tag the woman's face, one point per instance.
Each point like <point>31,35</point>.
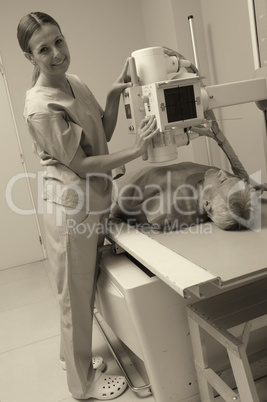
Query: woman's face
<point>49,51</point>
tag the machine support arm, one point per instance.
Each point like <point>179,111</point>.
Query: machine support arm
<point>234,93</point>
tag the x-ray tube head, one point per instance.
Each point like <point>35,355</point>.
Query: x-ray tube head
<point>175,102</point>
<point>153,65</point>
<point>179,101</point>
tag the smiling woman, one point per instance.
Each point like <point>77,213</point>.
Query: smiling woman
<point>50,53</point>
<point>70,131</point>
<point>47,43</point>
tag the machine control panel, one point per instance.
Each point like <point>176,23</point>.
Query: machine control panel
<point>134,107</point>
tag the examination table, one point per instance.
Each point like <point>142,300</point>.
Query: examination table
<point>146,281</point>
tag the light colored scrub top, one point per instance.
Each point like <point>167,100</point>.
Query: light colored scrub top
<point>59,124</point>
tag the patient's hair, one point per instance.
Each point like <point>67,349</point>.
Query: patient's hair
<point>27,26</point>
<point>239,209</point>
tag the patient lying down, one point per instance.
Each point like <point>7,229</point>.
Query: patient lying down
<point>184,194</point>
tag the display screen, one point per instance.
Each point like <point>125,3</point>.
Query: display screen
<point>180,103</point>
<point>128,111</point>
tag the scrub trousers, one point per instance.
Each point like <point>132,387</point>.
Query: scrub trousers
<point>72,240</point>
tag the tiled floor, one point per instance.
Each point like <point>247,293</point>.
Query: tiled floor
<point>29,339</point>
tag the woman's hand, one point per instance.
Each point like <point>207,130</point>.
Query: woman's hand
<point>123,81</point>
<point>113,100</point>
<point>82,164</point>
<point>147,129</point>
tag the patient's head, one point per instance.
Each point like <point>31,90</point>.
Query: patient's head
<point>229,201</point>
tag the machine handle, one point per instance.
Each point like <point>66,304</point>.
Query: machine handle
<point>133,72</point>
<point>145,156</point>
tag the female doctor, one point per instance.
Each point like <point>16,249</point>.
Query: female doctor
<point>70,132</point>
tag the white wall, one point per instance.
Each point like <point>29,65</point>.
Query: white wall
<point>19,237</point>
<point>230,58</point>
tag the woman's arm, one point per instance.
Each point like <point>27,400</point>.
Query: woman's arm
<point>83,165</point>
<point>111,114</point>
<point>113,101</point>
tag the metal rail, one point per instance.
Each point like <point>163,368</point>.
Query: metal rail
<point>129,382</point>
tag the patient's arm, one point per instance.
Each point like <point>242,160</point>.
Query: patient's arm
<point>237,167</point>
<point>216,133</point>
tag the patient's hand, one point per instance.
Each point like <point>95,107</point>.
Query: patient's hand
<point>170,52</point>
<point>260,188</point>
